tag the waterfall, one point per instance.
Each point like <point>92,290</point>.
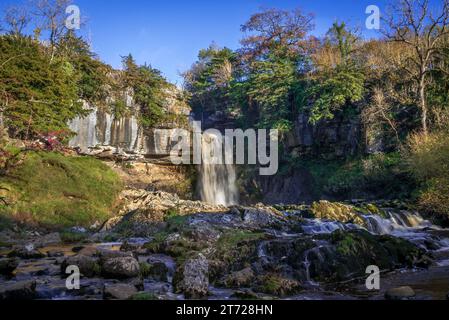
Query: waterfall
<point>217,181</point>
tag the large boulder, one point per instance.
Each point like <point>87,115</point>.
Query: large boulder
<point>47,240</point>
<point>193,278</point>
<point>349,253</point>
<point>26,252</point>
<point>158,271</point>
<point>119,291</point>
<point>110,254</point>
<point>336,211</point>
<point>340,256</point>
<point>88,266</point>
<point>7,266</point>
<point>22,290</point>
<point>121,267</point>
<point>153,206</point>
<point>262,217</point>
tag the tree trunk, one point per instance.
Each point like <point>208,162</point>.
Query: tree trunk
<point>423,104</point>
<point>2,125</point>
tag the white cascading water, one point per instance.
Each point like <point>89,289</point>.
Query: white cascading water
<point>217,182</point>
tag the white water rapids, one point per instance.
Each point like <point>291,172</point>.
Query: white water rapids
<point>407,225</point>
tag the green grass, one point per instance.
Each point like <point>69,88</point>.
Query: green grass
<point>56,191</point>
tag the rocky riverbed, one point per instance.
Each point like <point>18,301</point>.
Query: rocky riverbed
<point>282,252</point>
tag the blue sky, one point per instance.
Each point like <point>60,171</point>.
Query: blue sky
<point>168,34</point>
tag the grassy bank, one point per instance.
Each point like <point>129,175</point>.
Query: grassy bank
<point>53,190</point>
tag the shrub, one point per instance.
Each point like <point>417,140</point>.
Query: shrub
<point>428,160</point>
<point>428,155</point>
<point>381,175</point>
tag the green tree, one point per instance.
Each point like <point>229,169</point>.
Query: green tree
<point>339,81</point>
<point>150,92</point>
<point>92,74</point>
<point>210,78</point>
<point>35,97</point>
<point>271,84</point>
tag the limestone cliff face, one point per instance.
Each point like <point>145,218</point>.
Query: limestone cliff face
<point>101,131</point>
<point>336,138</point>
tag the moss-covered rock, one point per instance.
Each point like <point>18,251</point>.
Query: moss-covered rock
<point>277,285</point>
<point>336,211</point>
<point>352,252</point>
<point>88,266</point>
<point>192,278</point>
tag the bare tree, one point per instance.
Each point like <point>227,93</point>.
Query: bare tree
<point>422,27</point>
<point>52,15</point>
<point>380,111</point>
<point>17,19</point>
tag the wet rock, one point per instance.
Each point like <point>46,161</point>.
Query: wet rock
<point>27,270</point>
<point>47,240</point>
<point>144,208</point>
<point>128,246</point>
<point>159,271</point>
<point>165,266</point>
<point>277,285</point>
<point>340,256</point>
<point>145,296</point>
<point>401,293</point>
<point>7,266</point>
<point>77,249</point>
<point>347,253</point>
<point>120,291</point>
<point>192,278</point>
<point>242,278</point>
<point>26,252</point>
<point>55,253</point>
<point>90,287</point>
<point>147,206</point>
<point>105,254</point>
<point>262,217</point>
<point>88,251</point>
<point>121,267</point>
<point>88,266</point>
<point>22,290</point>
<point>137,282</point>
<point>204,233</point>
<point>336,211</point>
<point>159,288</point>
<point>245,295</point>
